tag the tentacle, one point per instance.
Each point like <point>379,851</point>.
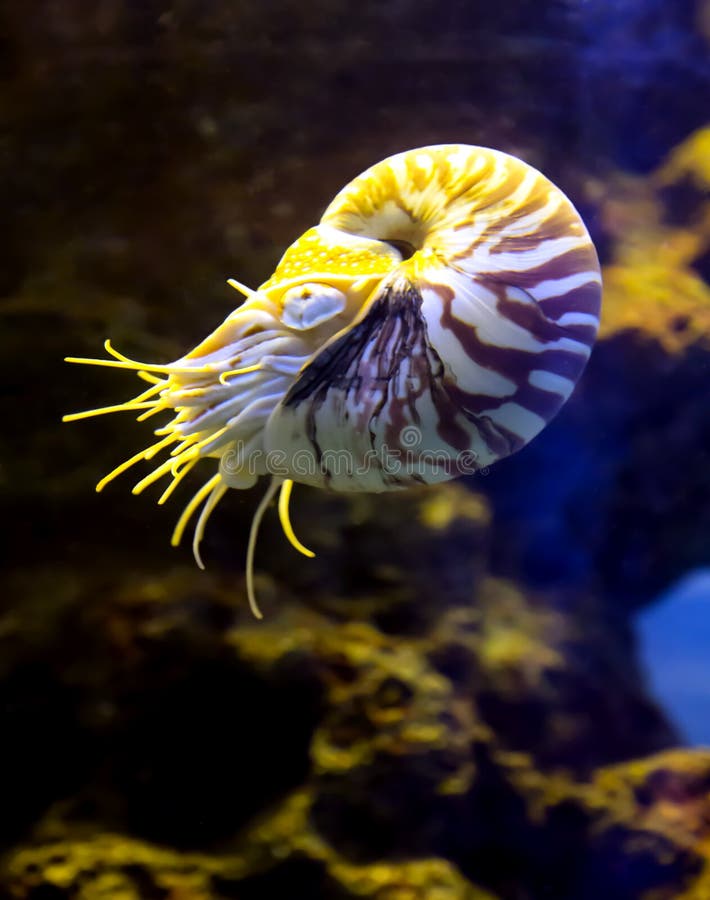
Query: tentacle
<point>218,491</point>
<point>151,379</point>
<point>251,547</point>
<point>178,475</point>
<point>151,412</point>
<point>142,401</point>
<point>284,498</point>
<point>148,453</point>
<point>189,510</point>
<point>223,378</point>
<point>123,362</point>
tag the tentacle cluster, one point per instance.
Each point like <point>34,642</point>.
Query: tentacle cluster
<point>432,323</point>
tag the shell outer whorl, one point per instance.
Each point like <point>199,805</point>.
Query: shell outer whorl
<point>475,342</point>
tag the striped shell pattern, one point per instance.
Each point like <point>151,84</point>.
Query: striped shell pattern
<point>433,322</point>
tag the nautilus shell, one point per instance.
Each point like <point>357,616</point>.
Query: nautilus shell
<point>433,322</point>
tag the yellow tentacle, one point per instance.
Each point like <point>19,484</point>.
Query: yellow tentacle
<point>218,491</point>
<point>225,375</point>
<point>103,410</point>
<point>120,361</point>
<point>189,510</point>
<point>243,289</point>
<point>151,379</point>
<point>253,534</point>
<point>148,453</point>
<point>284,498</point>
<point>178,475</point>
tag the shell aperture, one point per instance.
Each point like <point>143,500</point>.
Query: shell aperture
<point>361,367</point>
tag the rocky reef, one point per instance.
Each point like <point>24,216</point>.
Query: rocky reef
<point>445,704</point>
<point>390,740</point>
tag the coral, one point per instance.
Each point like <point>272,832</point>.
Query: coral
<point>656,284</point>
<point>356,761</point>
<point>109,866</point>
<point>645,825</point>
<point>118,868</point>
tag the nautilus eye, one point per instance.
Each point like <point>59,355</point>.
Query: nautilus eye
<point>432,323</point>
<point>310,305</point>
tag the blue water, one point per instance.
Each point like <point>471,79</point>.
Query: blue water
<point>674,646</point>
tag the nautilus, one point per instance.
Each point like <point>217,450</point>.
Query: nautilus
<point>432,323</point>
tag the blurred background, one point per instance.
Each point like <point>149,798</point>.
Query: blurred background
<point>497,688</point>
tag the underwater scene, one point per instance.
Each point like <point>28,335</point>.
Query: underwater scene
<point>411,302</point>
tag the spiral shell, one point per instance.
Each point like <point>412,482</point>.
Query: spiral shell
<point>433,322</point>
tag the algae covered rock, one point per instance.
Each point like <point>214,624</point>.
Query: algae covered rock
<point>111,867</point>
<point>336,756</point>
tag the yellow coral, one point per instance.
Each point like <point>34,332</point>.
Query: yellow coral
<point>667,302</point>
<point>652,287</point>
<point>439,508</point>
<point>690,159</point>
